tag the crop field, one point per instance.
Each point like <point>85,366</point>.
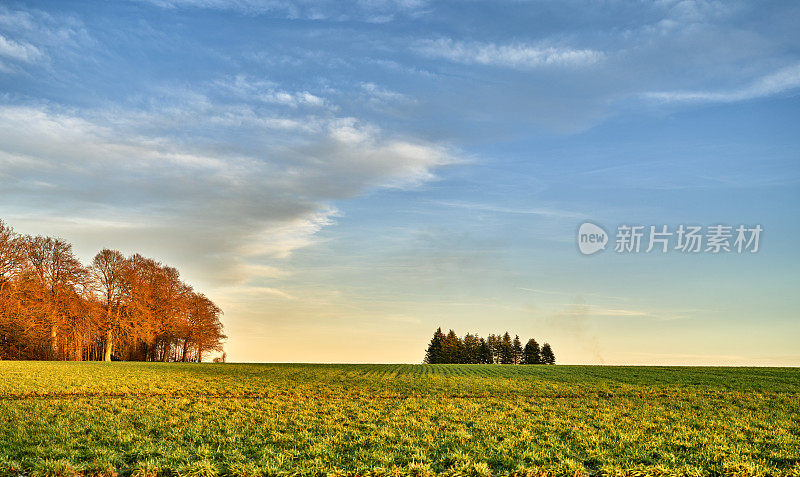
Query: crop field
<point>246,420</point>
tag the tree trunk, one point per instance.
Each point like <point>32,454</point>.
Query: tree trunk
<point>54,340</point>
<point>108,346</point>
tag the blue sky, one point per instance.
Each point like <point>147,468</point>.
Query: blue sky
<point>344,177</point>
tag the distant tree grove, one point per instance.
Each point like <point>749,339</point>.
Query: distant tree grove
<point>495,349</point>
<point>117,308</point>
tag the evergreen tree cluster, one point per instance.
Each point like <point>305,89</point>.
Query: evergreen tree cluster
<point>494,349</point>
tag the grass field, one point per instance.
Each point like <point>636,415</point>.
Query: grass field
<point>201,420</point>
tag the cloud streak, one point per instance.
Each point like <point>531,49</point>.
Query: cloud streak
<point>514,55</point>
<point>366,10</point>
<point>540,211</point>
<point>785,79</point>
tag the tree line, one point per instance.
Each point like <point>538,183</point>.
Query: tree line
<point>495,349</point>
<point>117,308</point>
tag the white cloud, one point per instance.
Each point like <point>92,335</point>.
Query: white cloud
<point>32,39</point>
<point>782,80</point>
<point>303,98</point>
<point>379,94</point>
<point>516,56</point>
<point>243,87</point>
<point>21,51</point>
<point>16,19</point>
<point>219,186</point>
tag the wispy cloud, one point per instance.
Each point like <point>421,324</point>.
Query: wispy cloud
<point>266,189</point>
<point>21,51</point>
<point>778,82</point>
<point>372,11</point>
<point>379,95</point>
<point>250,89</point>
<point>30,39</point>
<point>540,211</point>
<point>515,55</point>
<point>573,293</point>
<point>589,310</point>
<point>232,294</point>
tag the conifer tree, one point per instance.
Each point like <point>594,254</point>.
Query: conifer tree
<point>452,348</point>
<point>494,349</point>
<point>517,345</point>
<point>485,353</point>
<point>532,353</point>
<point>434,353</point>
<point>493,342</point>
<point>506,350</point>
<point>471,350</point>
<point>547,354</point>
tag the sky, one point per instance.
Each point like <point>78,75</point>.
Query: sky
<point>342,178</point>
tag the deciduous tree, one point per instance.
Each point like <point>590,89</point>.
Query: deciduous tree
<point>52,307</point>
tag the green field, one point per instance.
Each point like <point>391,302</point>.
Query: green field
<point>152,419</point>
